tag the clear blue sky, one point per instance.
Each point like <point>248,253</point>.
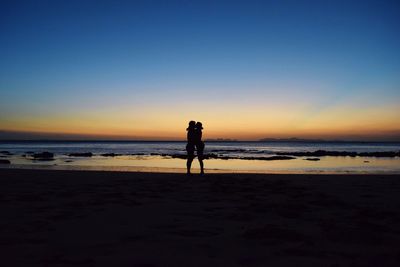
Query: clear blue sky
<point>78,57</point>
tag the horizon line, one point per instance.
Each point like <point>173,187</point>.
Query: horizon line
<point>26,136</point>
<point>273,140</point>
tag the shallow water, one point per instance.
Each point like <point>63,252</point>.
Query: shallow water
<point>149,162</point>
<point>224,148</point>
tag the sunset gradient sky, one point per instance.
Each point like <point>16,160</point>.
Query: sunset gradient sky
<point>246,69</point>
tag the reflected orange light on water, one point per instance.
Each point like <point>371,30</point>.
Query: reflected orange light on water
<point>157,163</point>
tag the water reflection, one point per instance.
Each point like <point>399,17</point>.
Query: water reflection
<point>158,163</point>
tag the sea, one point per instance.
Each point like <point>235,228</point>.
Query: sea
<point>235,156</point>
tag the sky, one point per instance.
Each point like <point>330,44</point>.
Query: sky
<point>245,69</point>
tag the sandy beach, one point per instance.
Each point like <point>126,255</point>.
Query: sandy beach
<point>89,218</point>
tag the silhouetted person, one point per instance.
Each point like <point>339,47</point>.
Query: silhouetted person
<point>191,143</point>
<point>199,145</point>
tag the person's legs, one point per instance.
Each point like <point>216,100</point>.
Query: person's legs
<point>189,163</point>
<point>201,163</point>
<point>190,153</point>
<point>200,150</point>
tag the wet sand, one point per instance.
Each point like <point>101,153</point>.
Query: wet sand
<point>93,218</point>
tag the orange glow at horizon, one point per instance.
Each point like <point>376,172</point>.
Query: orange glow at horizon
<point>250,123</point>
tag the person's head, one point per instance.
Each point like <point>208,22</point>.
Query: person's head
<point>192,125</point>
<point>199,125</point>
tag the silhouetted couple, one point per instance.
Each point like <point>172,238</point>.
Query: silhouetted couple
<point>194,142</point>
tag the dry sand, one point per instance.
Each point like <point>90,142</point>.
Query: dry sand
<point>88,218</point>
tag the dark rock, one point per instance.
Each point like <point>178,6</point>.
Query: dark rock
<point>313,159</point>
<point>184,156</point>
<point>321,153</point>
<point>271,158</point>
<point>178,156</point>
<point>4,152</point>
<point>43,156</point>
<point>86,154</point>
<point>4,161</point>
<point>389,154</point>
<point>110,155</point>
<point>29,152</point>
<point>259,158</point>
<point>215,156</point>
<point>212,156</point>
<point>232,150</point>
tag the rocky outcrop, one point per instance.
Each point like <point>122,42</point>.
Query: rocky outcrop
<point>215,156</point>
<point>321,153</point>
<point>86,154</point>
<point>110,155</point>
<point>43,156</point>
